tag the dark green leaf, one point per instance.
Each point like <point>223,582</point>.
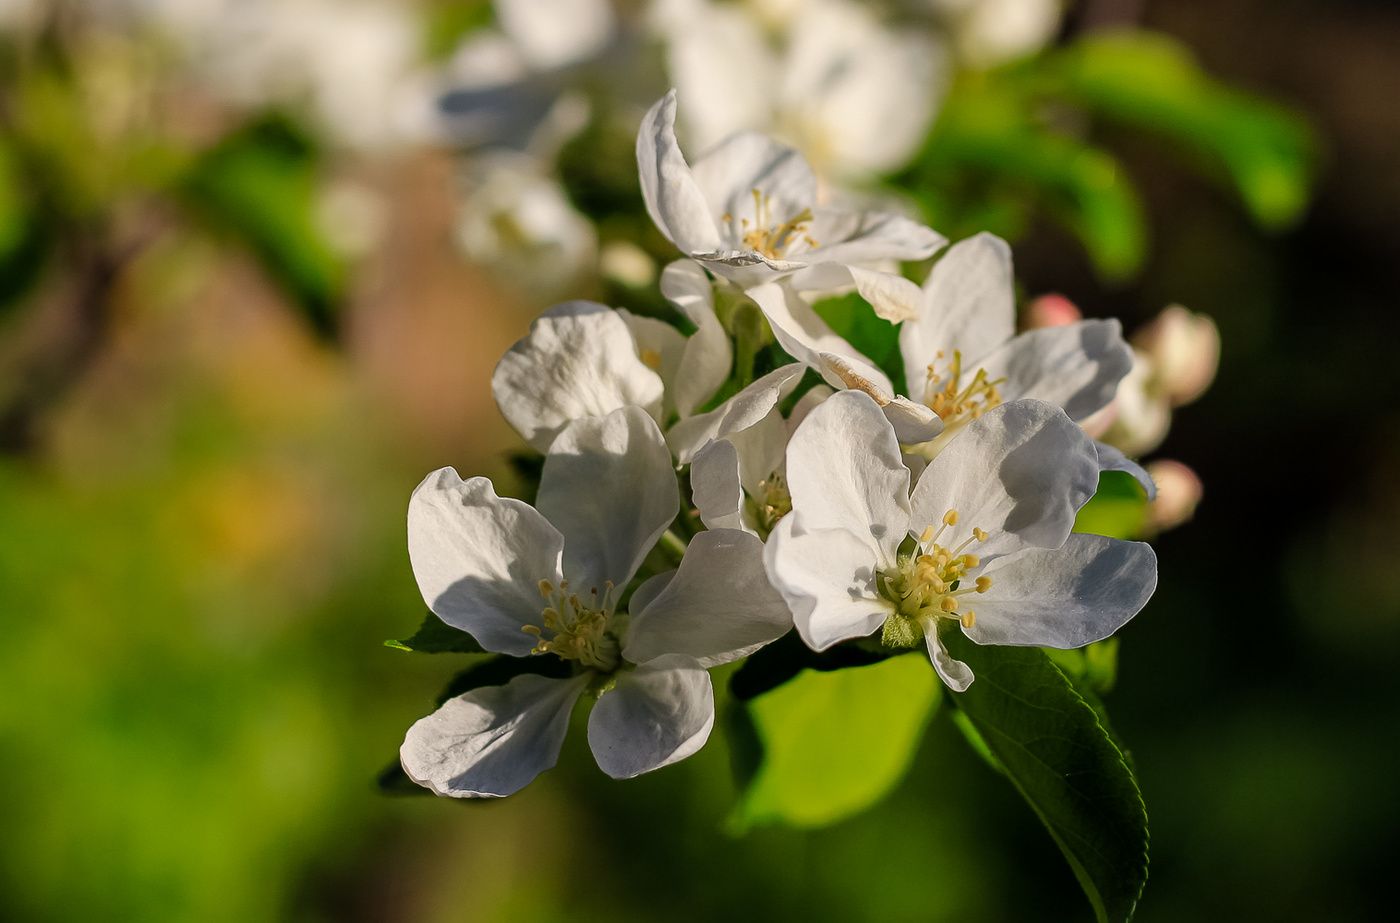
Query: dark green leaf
<point>501,669</point>
<point>771,666</point>
<point>259,186</point>
<point>1152,82</point>
<point>435,636</point>
<point>836,742</point>
<point>1058,755</point>
<point>990,145</point>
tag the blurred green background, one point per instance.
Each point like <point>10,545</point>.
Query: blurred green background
<point>201,549</point>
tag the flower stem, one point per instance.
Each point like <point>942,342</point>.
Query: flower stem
<point>673,545</point>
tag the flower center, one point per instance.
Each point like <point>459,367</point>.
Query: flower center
<point>578,628</point>
<point>927,585</point>
<point>954,401</point>
<point>767,237</point>
<point>772,503</point>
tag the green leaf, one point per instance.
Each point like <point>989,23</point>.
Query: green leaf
<point>259,185</point>
<point>990,145</point>
<point>435,636</point>
<point>1058,755</point>
<point>853,319</point>
<point>1117,509</point>
<point>1095,666</point>
<point>1152,82</point>
<point>836,742</point>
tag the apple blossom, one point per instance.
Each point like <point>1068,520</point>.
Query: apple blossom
<point>991,517</point>
<point>548,581</point>
<point>748,212</point>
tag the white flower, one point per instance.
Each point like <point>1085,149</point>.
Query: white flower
<point>961,354</point>
<point>547,582</point>
<point>585,359</point>
<point>502,86</point>
<point>992,516</point>
<point>989,32</point>
<point>856,97</point>
<point>518,220</point>
<point>740,481</point>
<point>748,211</point>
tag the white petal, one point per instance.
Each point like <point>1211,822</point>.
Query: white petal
<point>656,715</point>
<point>913,423</point>
<point>762,451</point>
<point>1077,366</point>
<point>720,63</point>
<point>715,486</point>
<point>666,346</point>
<point>746,268</point>
<point>479,558</point>
<point>738,413</point>
<point>864,237</point>
<point>955,673</point>
<point>827,578</point>
<point>729,174</point>
<point>556,33</point>
<point>707,355</point>
<point>492,741</point>
<point>892,296</point>
<point>673,199</point>
<point>609,487</point>
<point>1110,459</point>
<point>718,608</point>
<point>1020,472</point>
<point>844,472</point>
<point>969,305</point>
<point>579,360</point>
<point>1065,597</point>
<point>808,339</point>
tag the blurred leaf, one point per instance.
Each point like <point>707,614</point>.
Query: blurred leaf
<point>774,664</point>
<point>836,742</point>
<point>852,318</point>
<point>1116,509</point>
<point>435,636</point>
<point>23,239</point>
<point>1153,82</point>
<point>448,22</point>
<point>259,186</point>
<point>1064,763</point>
<point>990,145</point>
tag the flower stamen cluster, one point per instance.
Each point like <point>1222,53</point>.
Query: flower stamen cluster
<point>770,241</point>
<point>946,397</point>
<point>927,585</point>
<point>771,504</point>
<point>580,632</point>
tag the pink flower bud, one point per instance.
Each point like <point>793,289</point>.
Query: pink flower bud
<point>1050,311</point>
<point>1179,492</point>
<point>1185,351</point>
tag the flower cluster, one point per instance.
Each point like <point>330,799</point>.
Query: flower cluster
<point>696,504</point>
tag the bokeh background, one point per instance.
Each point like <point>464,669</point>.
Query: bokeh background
<point>209,437</point>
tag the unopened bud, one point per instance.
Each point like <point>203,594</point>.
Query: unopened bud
<point>1050,311</point>
<point>1185,351</point>
<point>1179,492</point>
